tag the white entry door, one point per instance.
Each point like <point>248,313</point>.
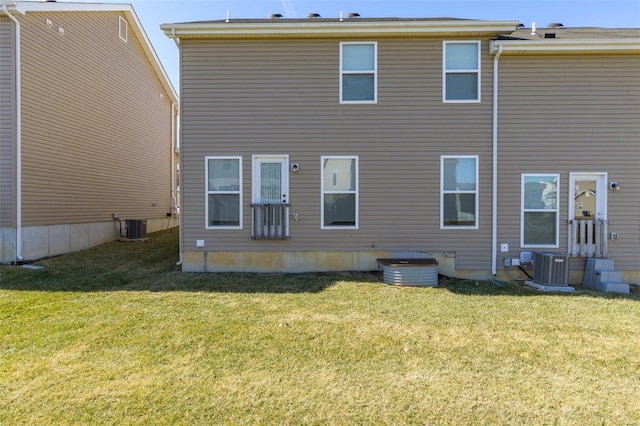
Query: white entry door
<point>588,214</point>
<point>270,196</point>
<point>270,179</point>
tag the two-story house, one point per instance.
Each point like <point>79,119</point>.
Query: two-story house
<point>325,144</point>
<point>88,128</point>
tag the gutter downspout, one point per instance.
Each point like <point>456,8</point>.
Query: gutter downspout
<point>176,40</point>
<point>178,140</point>
<point>174,199</point>
<point>18,94</point>
<point>494,219</point>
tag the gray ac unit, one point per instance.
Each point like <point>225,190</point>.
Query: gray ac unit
<point>551,268</point>
<point>136,229</point>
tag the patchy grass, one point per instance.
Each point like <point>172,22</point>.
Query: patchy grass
<point>117,335</point>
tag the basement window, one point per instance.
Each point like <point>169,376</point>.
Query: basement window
<point>122,29</point>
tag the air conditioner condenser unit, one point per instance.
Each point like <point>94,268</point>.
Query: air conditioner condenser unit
<point>136,229</point>
<point>551,268</point>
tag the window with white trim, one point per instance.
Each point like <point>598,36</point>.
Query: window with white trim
<point>122,29</point>
<point>339,192</point>
<point>540,218</point>
<point>459,191</point>
<point>358,72</point>
<point>461,71</point>
<point>224,192</point>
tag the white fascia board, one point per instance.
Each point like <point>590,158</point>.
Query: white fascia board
<point>24,6</point>
<point>342,29</point>
<point>151,54</point>
<point>127,10</point>
<point>564,47</point>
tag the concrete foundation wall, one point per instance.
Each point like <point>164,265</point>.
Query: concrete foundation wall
<point>298,262</point>
<point>45,241</point>
<point>333,261</point>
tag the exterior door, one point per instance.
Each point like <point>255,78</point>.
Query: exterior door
<point>270,194</point>
<point>588,214</point>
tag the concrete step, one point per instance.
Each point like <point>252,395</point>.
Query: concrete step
<point>609,276</point>
<point>593,265</point>
<point>616,287</point>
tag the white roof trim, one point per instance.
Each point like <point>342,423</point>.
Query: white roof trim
<point>43,6</point>
<point>126,9</point>
<point>564,46</point>
<point>300,28</point>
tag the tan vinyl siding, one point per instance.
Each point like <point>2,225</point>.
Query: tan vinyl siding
<point>7,119</point>
<point>96,123</point>
<point>281,97</point>
<point>572,114</point>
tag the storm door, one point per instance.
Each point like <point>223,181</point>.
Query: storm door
<point>588,214</point>
<point>270,194</point>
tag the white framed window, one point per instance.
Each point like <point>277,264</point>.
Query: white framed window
<point>461,71</point>
<point>540,220</point>
<point>459,192</point>
<point>123,29</point>
<point>339,191</point>
<point>223,192</point>
<point>358,72</point>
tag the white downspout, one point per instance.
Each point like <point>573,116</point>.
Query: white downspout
<point>178,140</point>
<point>494,219</point>
<point>174,199</point>
<point>18,82</point>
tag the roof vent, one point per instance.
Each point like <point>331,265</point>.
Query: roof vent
<point>313,15</point>
<point>555,25</point>
<point>550,35</point>
<point>353,15</point>
<point>275,16</point>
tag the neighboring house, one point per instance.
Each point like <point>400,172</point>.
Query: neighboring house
<point>87,128</point>
<point>324,144</point>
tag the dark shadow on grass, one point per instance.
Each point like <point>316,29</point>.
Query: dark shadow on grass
<point>502,288</point>
<point>151,266</point>
<point>176,281</point>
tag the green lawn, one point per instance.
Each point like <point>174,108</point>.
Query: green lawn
<point>117,335</point>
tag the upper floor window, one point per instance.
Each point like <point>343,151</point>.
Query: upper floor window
<point>339,192</point>
<point>224,192</point>
<point>459,191</point>
<point>461,71</point>
<point>540,219</point>
<point>358,72</point>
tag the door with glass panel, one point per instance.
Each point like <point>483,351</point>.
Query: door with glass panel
<point>270,196</point>
<point>588,214</point>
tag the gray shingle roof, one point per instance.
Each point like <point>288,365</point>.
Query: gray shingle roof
<point>577,33</point>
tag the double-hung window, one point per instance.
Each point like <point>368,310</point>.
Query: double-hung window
<point>461,71</point>
<point>459,191</point>
<point>224,192</point>
<point>540,219</point>
<point>339,192</point>
<point>358,72</point>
